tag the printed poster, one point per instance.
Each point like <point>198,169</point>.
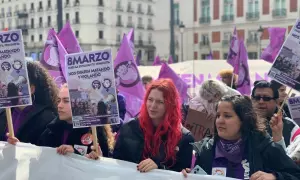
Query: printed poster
<point>286,67</point>
<point>14,83</point>
<point>90,77</point>
<point>294,107</point>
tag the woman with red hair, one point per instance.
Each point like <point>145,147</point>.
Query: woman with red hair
<point>156,139</point>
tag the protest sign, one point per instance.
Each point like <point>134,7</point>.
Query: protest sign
<point>200,124</point>
<point>92,88</point>
<point>286,67</point>
<point>29,162</point>
<point>14,82</point>
<point>294,107</point>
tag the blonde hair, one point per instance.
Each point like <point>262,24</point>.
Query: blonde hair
<point>212,88</point>
<point>228,73</point>
<point>110,137</point>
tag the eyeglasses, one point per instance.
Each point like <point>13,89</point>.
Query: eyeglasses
<point>264,98</point>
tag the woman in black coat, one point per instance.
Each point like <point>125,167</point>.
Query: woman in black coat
<point>31,121</point>
<point>156,139</point>
<point>241,148</point>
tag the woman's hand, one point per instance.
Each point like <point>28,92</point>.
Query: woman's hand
<point>11,140</point>
<point>185,172</point>
<point>147,165</point>
<point>259,175</point>
<point>93,155</point>
<point>64,149</point>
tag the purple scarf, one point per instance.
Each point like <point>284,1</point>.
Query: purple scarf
<point>231,150</point>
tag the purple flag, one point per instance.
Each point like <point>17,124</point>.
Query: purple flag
<point>52,55</point>
<point>130,37</point>
<point>277,36</point>
<point>167,72</point>
<point>210,56</point>
<point>128,79</point>
<point>244,85</point>
<point>138,58</point>
<point>68,39</point>
<point>157,61</point>
<point>233,50</point>
<point>170,60</point>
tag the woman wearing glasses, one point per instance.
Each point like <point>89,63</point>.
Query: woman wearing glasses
<point>241,148</point>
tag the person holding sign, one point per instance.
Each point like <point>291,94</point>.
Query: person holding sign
<point>241,148</point>
<point>60,132</point>
<point>156,139</point>
<point>29,122</point>
<point>265,98</point>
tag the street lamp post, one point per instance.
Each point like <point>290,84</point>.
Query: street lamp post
<point>181,28</point>
<point>59,15</point>
<point>260,32</point>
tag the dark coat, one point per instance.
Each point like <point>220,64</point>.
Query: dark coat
<point>53,137</point>
<point>33,125</point>
<point>263,155</point>
<point>130,146</point>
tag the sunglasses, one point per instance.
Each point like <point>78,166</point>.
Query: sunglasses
<point>264,98</point>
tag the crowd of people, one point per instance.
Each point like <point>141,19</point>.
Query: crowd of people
<point>250,140</point>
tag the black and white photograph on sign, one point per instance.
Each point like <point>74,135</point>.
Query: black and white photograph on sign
<point>14,85</point>
<point>286,67</point>
<point>92,89</point>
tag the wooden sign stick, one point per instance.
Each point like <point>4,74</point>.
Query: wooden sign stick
<point>95,139</point>
<point>285,99</point>
<point>9,123</point>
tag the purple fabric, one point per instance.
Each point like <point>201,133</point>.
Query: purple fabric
<point>277,36</point>
<point>229,154</point>
<point>68,39</point>
<point>157,61</point>
<point>130,38</point>
<point>65,136</point>
<point>18,116</point>
<point>244,84</point>
<point>128,79</point>
<point>210,56</point>
<point>233,51</point>
<point>167,72</point>
<point>53,56</point>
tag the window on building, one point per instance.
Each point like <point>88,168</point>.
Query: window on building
<point>41,37</point>
<point>77,34</point>
<point>100,2</point>
<point>67,17</point>
<point>150,38</point>
<point>140,21</point>
<point>140,36</point>
<point>32,6</point>
<point>9,23</point>
<point>139,8</point>
<point>252,35</point>
<point>100,34</point>
<point>225,55</point>
<point>253,6</point>
<point>77,17</point>
<point>49,21</point>
<point>32,23</point>
<point>176,14</point>
<point>40,21</point>
<point>252,55</point>
<point>129,19</point>
<point>150,21</point>
<point>32,38</point>
<point>205,7</point>
<point>149,9</point>
<point>119,19</point>
<point>100,17</point>
<point>280,4</point>
<point>40,5</point>
<point>49,3</point>
<point>67,2</point>
<point>228,7</point>
<point>17,8</point>
<point>119,36</point>
<point>205,39</point>
<point>24,7</point>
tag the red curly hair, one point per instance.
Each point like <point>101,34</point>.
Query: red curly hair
<point>170,126</point>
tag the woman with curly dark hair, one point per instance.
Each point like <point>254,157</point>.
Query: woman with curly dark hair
<point>30,121</point>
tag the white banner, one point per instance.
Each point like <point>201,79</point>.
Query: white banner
<point>28,162</point>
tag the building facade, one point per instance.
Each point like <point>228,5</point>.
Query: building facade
<point>97,24</point>
<point>210,23</point>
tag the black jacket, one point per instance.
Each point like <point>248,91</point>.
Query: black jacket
<point>130,145</point>
<point>33,125</point>
<point>53,137</point>
<point>263,155</point>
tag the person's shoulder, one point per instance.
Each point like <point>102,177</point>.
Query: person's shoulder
<point>232,92</point>
<point>289,121</point>
<point>131,124</point>
<point>205,144</point>
<point>187,135</point>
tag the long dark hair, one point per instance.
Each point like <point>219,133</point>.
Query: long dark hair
<point>46,91</point>
<point>244,109</point>
<point>13,91</point>
<point>102,108</point>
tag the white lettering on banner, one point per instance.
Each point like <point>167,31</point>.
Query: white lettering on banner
<point>28,162</point>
